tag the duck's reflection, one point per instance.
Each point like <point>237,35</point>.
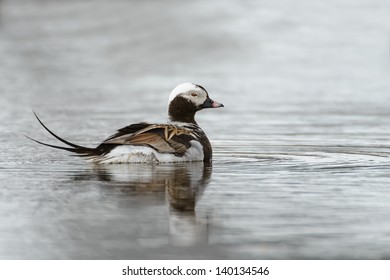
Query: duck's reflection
<point>183,190</point>
<point>181,184</point>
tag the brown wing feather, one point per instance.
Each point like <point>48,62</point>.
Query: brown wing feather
<point>180,148</point>
<point>162,138</point>
<point>153,140</point>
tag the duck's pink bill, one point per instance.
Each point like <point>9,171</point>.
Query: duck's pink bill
<point>216,104</point>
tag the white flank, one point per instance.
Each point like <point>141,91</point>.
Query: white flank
<point>140,154</point>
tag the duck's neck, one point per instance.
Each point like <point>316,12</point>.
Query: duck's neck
<point>182,119</point>
<point>181,110</point>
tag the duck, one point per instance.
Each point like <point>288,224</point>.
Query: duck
<point>179,140</point>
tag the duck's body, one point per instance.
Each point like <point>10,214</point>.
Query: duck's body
<point>154,143</point>
<point>180,140</point>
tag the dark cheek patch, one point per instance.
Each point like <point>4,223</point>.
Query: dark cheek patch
<point>182,110</point>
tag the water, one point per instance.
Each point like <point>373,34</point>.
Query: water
<point>301,149</point>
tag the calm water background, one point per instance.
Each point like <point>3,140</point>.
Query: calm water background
<point>301,149</point>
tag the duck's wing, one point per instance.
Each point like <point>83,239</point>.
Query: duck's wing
<point>128,130</point>
<point>164,138</point>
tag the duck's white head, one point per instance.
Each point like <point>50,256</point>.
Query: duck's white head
<point>186,99</point>
<point>194,93</point>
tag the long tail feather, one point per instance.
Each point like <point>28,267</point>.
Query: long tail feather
<point>79,150</point>
<point>52,146</point>
<point>56,136</point>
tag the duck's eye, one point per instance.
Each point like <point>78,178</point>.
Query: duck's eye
<point>194,94</point>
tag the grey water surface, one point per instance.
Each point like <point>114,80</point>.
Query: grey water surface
<point>301,149</point>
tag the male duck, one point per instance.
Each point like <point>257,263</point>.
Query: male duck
<point>180,140</point>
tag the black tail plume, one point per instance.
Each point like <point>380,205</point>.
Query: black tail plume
<point>80,150</point>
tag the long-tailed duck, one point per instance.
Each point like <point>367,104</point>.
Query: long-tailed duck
<point>180,140</point>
